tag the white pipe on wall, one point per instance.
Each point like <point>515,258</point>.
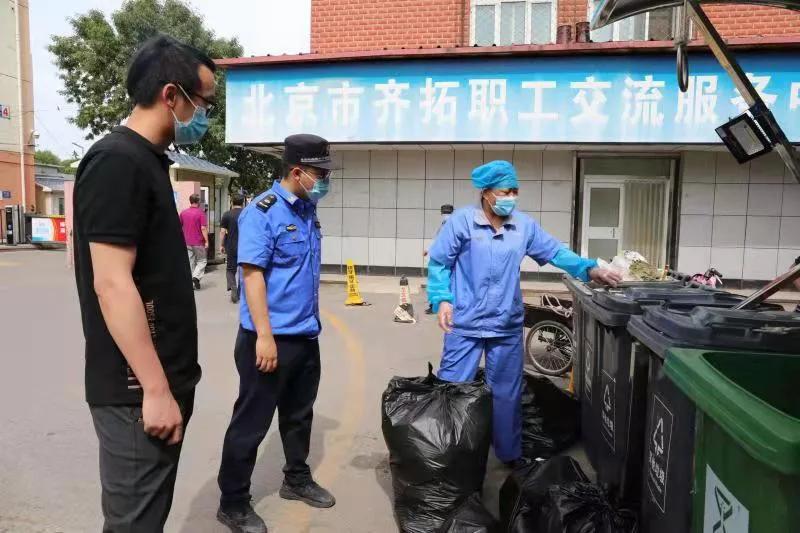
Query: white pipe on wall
<point>24,194</point>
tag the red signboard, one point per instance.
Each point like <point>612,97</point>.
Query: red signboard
<point>48,229</point>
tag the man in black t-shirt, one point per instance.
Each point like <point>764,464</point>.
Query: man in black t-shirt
<point>135,288</point>
<point>229,237</point>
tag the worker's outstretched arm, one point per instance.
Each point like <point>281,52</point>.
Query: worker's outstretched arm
<point>573,264</point>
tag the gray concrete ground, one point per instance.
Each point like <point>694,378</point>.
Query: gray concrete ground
<point>48,449</point>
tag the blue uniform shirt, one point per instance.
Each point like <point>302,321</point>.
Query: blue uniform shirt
<point>485,268</point>
<point>285,240</point>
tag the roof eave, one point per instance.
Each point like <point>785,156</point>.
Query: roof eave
<point>627,47</point>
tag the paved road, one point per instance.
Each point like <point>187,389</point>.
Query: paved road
<point>48,450</point>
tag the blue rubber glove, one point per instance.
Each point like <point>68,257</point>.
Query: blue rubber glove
<point>573,264</point>
<point>438,284</point>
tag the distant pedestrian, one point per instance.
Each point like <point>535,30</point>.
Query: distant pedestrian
<point>135,288</point>
<point>446,210</point>
<point>195,233</point>
<point>229,239</point>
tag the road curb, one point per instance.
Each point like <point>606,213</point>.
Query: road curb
<point>20,248</point>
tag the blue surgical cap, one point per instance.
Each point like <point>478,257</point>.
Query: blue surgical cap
<point>495,175</point>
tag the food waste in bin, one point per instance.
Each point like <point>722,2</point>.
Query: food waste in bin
<point>438,435</point>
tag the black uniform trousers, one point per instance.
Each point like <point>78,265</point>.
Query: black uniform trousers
<point>292,389</point>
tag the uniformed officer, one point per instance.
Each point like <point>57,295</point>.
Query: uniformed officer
<point>277,350</point>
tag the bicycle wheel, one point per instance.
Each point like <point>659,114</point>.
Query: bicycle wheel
<point>549,347</point>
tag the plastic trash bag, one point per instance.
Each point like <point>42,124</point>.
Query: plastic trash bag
<point>550,418</point>
<point>524,492</point>
<point>583,508</point>
<point>438,435</point>
<point>471,517</point>
<point>632,266</point>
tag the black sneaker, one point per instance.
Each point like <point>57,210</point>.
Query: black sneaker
<point>241,519</point>
<point>309,493</point>
<point>235,297</point>
<point>196,283</point>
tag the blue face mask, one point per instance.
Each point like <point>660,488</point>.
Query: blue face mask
<point>504,205</point>
<point>319,190</point>
<point>192,131</point>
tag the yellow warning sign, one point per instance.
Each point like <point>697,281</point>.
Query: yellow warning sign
<point>353,294</point>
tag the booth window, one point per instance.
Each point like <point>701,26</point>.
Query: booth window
<point>656,25</point>
<point>508,22</point>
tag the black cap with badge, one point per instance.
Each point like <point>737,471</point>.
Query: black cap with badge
<point>309,150</point>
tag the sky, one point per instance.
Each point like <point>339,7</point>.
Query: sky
<point>262,27</point>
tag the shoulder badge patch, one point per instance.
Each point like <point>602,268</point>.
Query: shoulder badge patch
<point>267,202</point>
<point>317,224</point>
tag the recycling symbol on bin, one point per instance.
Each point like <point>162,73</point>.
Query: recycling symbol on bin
<point>658,437</point>
<point>724,508</point>
<point>607,398</point>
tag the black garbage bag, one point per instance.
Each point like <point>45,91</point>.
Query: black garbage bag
<point>583,508</point>
<point>550,418</point>
<point>438,435</point>
<point>471,517</point>
<point>524,492</point>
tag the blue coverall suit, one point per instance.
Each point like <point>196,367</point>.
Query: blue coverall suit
<point>477,269</point>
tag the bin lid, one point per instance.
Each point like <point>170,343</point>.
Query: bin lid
<point>773,331</point>
<point>656,341</point>
<point>577,287</point>
<point>751,395</point>
<point>632,300</point>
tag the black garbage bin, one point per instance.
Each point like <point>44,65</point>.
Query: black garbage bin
<point>619,410</point>
<point>580,294</point>
<point>583,366</point>
<point>587,346</point>
<point>667,475</point>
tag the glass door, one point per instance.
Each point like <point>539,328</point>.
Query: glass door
<point>603,206</point>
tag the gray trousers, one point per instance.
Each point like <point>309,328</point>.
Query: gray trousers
<point>137,471</point>
<point>233,284</point>
<point>198,259</point>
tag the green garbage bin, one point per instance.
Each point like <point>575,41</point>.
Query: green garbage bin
<point>747,438</point>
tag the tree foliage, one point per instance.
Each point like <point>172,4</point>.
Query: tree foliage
<point>93,62</point>
<point>46,157</point>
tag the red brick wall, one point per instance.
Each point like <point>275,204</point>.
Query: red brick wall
<point>10,179</point>
<point>570,12</point>
<point>753,21</point>
<point>357,25</point>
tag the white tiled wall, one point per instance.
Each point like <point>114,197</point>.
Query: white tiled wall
<point>383,210</point>
<point>742,219</point>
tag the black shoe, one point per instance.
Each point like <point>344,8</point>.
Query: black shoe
<point>517,464</point>
<point>235,297</point>
<point>309,493</point>
<point>241,519</point>
<point>196,283</point>
<point>429,310</point>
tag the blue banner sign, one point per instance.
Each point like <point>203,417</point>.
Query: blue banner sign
<point>578,99</point>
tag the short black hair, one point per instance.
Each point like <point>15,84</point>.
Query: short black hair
<point>237,199</point>
<point>161,60</point>
<point>194,199</point>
